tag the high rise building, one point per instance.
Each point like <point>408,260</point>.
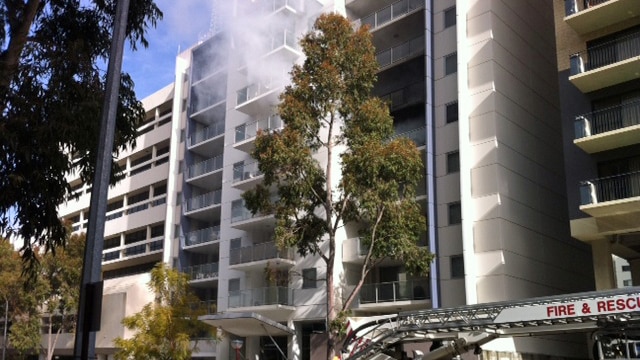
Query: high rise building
<point>473,83</point>
<point>599,77</point>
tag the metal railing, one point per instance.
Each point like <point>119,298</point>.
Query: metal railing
<point>605,54</point>
<point>259,252</point>
<point>252,91</point>
<point>207,133</point>
<point>205,167</point>
<point>412,94</point>
<point>613,118</point>
<point>245,172</point>
<point>202,236</point>
<point>137,248</point>
<point>400,52</point>
<point>132,209</point>
<point>610,188</point>
<point>276,295</point>
<point>419,135</point>
<point>202,271</point>
<point>395,291</point>
<point>574,6</point>
<point>250,129</point>
<point>204,200</point>
<point>390,13</point>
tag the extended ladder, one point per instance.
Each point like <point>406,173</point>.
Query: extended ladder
<point>482,323</point>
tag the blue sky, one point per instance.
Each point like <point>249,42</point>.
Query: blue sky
<point>184,22</point>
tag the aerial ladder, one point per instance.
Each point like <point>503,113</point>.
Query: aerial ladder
<point>612,316</point>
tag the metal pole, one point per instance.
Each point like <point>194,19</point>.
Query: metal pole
<point>4,335</point>
<point>85,337</point>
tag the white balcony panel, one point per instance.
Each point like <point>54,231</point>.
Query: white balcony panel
<point>139,219</point>
<point>603,15</point>
<point>610,140</point>
<point>149,139</point>
<point>609,75</point>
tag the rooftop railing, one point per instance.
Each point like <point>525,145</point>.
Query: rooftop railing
<point>610,188</point>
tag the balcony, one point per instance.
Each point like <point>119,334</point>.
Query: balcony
<point>201,274</point>
<point>591,15</point>
<point>259,97</point>
<point>418,136</point>
<point>390,13</point>
<point>284,44</point>
<point>354,251</point>
<point>246,176</point>
<point>258,255</point>
<point>610,196</point>
<point>404,51</point>
<point>409,295</point>
<point>274,6</point>
<point>410,95</point>
<point>607,64</point>
<point>205,141</point>
<point>245,135</point>
<point>608,129</point>
<point>273,302</point>
<point>243,219</point>
<point>205,207</point>
<point>133,254</point>
<point>208,306</point>
<point>203,240</point>
<point>206,174</point>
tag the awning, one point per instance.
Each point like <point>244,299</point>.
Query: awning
<point>246,324</point>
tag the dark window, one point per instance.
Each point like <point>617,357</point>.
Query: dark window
<point>457,266</point>
<point>453,162</point>
<point>309,278</point>
<point>626,267</point>
<point>455,213</point>
<point>451,64</point>
<point>136,236</point>
<point>157,230</point>
<point>450,17</point>
<point>451,112</point>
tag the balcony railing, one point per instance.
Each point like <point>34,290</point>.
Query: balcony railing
<point>255,90</point>
<point>602,121</point>
<point>283,38</point>
<point>245,172</point>
<point>204,200</point>
<point>202,236</point>
<point>273,5</point>
<point>205,167</point>
<point>137,207</point>
<point>605,54</point>
<point>138,248</point>
<point>412,94</point>
<point>397,53</point>
<point>250,130</point>
<point>209,306</point>
<point>258,252</point>
<point>573,6</point>
<point>391,12</point>
<point>261,296</point>
<point>395,291</point>
<point>203,271</point>
<point>610,188</point>
<point>207,133</point>
<point>418,136</point>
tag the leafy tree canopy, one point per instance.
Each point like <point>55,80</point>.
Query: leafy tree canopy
<point>165,327</point>
<point>51,92</point>
<point>336,163</point>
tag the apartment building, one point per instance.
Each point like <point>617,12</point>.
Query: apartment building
<point>598,71</point>
<point>473,83</point>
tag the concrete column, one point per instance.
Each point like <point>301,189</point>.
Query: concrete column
<point>635,271</point>
<point>603,265</point>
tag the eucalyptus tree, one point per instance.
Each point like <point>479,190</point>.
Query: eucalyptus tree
<point>336,162</point>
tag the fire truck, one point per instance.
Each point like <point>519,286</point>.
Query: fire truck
<point>611,317</point>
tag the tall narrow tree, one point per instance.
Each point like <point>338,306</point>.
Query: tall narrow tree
<point>336,162</point>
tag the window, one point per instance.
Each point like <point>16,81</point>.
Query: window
<point>453,162</point>
<point>309,278</point>
<point>626,267</point>
<point>451,112</point>
<point>457,266</point>
<point>455,213</point>
<point>451,64</point>
<point>450,17</point>
<point>627,283</point>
